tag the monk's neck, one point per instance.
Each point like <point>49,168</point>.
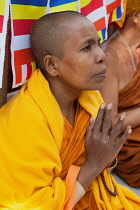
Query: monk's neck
<point>68,110</point>
<point>67,102</point>
<point>131,36</point>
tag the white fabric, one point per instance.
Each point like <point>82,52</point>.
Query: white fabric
<point>80,192</point>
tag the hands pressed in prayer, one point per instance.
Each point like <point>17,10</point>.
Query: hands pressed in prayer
<point>103,143</point>
<point>103,140</point>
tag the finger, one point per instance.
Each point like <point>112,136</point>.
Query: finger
<point>126,134</point>
<point>90,128</point>
<point>112,126</point>
<point>99,119</point>
<point>91,121</point>
<point>120,140</point>
<point>107,120</point>
<point>117,130</point>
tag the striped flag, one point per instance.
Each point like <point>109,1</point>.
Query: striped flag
<point>114,9</point>
<point>25,12</point>
<point>4,11</point>
<point>95,11</point>
<point>101,13</point>
<point>2,8</point>
<point>63,5</point>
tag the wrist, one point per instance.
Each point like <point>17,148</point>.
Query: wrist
<point>88,172</point>
<point>111,165</point>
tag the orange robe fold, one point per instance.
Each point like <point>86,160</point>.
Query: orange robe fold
<point>129,157</point>
<point>73,152</point>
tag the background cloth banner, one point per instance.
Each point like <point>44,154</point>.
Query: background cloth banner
<point>4,12</point>
<point>101,13</point>
<point>25,12</point>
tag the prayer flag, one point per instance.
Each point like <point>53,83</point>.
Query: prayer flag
<point>100,12</point>
<point>23,63</point>
<point>95,11</point>
<point>4,12</point>
<point>63,5</point>
<point>114,10</point>
<point>30,2</point>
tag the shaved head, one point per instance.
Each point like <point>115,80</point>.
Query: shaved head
<point>49,33</point>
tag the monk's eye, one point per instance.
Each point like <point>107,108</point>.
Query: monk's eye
<point>88,47</point>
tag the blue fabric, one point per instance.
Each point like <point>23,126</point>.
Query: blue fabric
<point>31,2</point>
<point>103,33</point>
<point>54,3</point>
<point>119,12</point>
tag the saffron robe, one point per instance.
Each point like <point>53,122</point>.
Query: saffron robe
<point>129,157</point>
<point>36,173</point>
<point>73,152</point>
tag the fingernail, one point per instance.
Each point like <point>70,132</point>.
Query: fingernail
<point>129,127</point>
<point>91,120</point>
<point>129,131</point>
<point>109,106</point>
<point>122,117</point>
<point>103,106</point>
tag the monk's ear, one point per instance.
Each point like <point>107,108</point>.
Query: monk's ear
<point>50,65</point>
<point>136,17</point>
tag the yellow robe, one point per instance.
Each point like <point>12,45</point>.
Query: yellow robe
<point>31,134</point>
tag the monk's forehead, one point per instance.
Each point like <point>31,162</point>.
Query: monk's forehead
<point>79,24</point>
<point>82,28</point>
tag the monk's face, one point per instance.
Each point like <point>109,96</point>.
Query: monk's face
<point>82,65</point>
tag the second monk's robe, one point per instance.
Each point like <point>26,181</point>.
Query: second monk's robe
<point>129,157</point>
